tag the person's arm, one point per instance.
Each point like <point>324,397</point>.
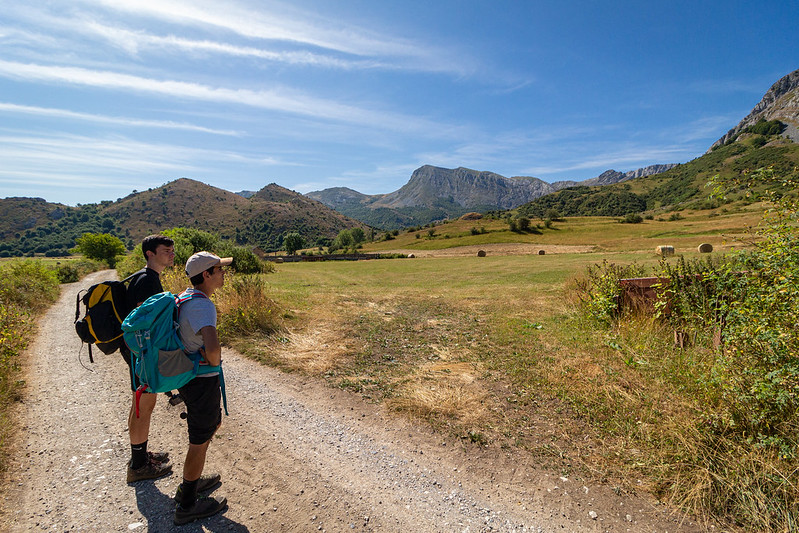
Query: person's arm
<point>213,350</point>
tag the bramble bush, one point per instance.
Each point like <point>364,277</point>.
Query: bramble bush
<point>599,290</point>
<point>737,455</point>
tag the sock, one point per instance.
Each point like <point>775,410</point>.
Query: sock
<point>138,455</point>
<point>189,494</point>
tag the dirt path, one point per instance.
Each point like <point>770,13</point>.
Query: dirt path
<point>294,455</point>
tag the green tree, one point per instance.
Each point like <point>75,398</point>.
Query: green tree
<point>293,242</point>
<point>358,235</point>
<point>343,240</point>
<point>100,246</point>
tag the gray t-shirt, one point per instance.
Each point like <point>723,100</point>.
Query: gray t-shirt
<point>194,315</point>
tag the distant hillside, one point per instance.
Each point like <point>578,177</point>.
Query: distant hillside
<point>261,220</point>
<point>20,214</point>
<point>683,186</point>
<point>435,193</point>
<point>781,102</point>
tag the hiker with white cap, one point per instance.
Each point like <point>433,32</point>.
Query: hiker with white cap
<point>203,394</point>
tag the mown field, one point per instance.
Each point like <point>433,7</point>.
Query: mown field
<point>495,350</point>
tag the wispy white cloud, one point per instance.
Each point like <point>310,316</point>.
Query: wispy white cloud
<point>120,121</point>
<point>99,155</point>
<point>282,23</point>
<point>136,42</point>
<point>285,101</point>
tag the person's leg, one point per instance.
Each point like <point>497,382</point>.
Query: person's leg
<point>139,427</point>
<point>195,461</point>
<point>202,398</point>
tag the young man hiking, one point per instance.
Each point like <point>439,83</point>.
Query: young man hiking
<point>159,253</point>
<point>202,395</point>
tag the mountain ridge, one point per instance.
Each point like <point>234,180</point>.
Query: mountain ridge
<point>434,193</point>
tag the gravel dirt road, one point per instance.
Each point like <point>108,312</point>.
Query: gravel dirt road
<point>294,455</point>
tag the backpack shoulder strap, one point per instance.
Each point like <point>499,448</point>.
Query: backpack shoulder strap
<point>184,297</point>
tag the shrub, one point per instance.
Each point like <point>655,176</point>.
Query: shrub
<point>632,218</point>
<point>67,273</point>
<point>26,287</point>
<point>245,308</point>
<point>599,291</point>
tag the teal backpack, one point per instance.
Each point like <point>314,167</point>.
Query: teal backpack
<point>159,359</point>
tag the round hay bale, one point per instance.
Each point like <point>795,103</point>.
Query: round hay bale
<point>481,253</point>
<point>279,260</point>
<point>411,256</point>
<point>705,248</point>
<point>541,252</point>
<point>665,250</point>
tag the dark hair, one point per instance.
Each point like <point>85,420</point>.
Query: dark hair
<point>198,279</point>
<point>151,242</point>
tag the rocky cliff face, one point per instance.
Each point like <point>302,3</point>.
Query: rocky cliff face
<point>465,187</point>
<point>781,102</point>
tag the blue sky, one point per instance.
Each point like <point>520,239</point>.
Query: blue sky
<point>102,97</point>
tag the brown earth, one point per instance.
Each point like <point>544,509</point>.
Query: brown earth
<point>294,455</point>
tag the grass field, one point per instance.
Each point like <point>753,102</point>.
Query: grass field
<point>493,350</point>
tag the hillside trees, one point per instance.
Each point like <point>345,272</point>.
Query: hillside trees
<point>58,234</point>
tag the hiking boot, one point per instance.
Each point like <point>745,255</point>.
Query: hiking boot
<point>202,508</point>
<point>158,457</point>
<point>206,482</point>
<point>150,470</point>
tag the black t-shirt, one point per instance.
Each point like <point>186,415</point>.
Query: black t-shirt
<point>144,284</point>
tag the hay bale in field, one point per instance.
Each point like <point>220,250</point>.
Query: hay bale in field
<point>664,250</point>
<point>411,256</point>
<point>705,248</point>
<point>481,253</point>
<point>279,260</point>
<point>541,252</point>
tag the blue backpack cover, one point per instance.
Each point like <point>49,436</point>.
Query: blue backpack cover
<point>160,361</point>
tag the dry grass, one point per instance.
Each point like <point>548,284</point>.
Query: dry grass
<point>492,350</point>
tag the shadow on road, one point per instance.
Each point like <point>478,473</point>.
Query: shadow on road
<point>158,510</point>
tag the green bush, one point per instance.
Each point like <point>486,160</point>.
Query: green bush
<point>28,285</point>
<point>599,291</point>
<point>632,218</point>
<point>245,308</point>
<point>26,288</point>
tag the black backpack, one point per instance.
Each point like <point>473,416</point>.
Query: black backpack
<point>106,308</point>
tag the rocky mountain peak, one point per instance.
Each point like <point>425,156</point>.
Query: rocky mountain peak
<point>781,102</point>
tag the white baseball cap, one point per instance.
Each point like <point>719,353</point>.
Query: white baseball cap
<point>202,261</point>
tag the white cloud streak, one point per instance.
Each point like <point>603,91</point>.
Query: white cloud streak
<point>265,22</point>
<point>286,102</point>
<point>120,121</point>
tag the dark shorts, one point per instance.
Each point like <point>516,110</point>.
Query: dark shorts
<point>134,379</point>
<point>203,398</point>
